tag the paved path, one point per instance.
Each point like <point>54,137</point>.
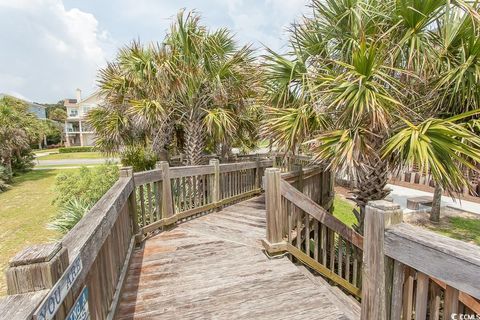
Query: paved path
<point>401,194</point>
<point>213,267</point>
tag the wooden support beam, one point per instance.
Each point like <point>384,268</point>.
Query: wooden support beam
<point>215,185</point>
<point>167,200</point>
<point>379,215</point>
<point>273,203</point>
<point>127,172</point>
<point>36,268</point>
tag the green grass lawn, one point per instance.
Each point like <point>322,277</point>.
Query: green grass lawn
<point>73,155</point>
<point>25,210</point>
<point>465,229</point>
<point>342,209</point>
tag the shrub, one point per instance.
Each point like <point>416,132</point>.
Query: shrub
<point>5,178</point>
<point>70,213</point>
<point>22,162</point>
<point>138,157</point>
<point>87,185</point>
<point>75,149</point>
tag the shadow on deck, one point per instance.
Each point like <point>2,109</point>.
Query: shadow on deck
<point>214,267</point>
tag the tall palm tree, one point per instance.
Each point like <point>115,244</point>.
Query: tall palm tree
<point>196,81</point>
<point>363,66</point>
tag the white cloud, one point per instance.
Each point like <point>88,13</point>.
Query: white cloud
<point>51,50</point>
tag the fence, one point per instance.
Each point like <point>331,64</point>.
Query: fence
<point>86,270</point>
<point>398,271</point>
<point>298,222</point>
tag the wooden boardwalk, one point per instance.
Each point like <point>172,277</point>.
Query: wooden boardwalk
<point>213,267</point>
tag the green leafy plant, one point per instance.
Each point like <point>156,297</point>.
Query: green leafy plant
<point>70,213</point>
<point>138,157</point>
<point>86,185</point>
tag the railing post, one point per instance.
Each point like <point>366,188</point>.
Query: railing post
<point>215,186</point>
<point>273,201</point>
<point>299,168</point>
<point>258,173</point>
<point>127,172</point>
<point>37,267</point>
<point>167,200</point>
<point>379,215</point>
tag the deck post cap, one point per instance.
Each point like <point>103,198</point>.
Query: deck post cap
<point>384,205</point>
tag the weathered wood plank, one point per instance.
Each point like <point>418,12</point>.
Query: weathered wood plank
<point>174,269</point>
<point>452,261</point>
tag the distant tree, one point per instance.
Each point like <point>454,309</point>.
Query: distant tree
<point>57,114</point>
<point>18,130</point>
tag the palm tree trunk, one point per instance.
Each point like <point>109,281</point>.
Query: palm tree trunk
<point>436,204</point>
<point>370,186</point>
<point>194,141</point>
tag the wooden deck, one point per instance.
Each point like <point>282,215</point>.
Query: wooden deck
<point>213,267</point>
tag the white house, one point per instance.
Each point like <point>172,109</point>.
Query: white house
<point>77,131</point>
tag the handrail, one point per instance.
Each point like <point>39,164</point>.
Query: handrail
<point>412,271</point>
<point>302,227</point>
<point>320,214</point>
<point>166,195</point>
<point>410,245</point>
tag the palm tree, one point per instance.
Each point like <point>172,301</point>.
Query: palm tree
<point>364,66</point>
<point>18,129</point>
<point>196,82</point>
<point>216,81</point>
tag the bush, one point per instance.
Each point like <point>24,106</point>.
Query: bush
<point>75,149</point>
<point>86,185</point>
<point>5,178</point>
<point>23,162</point>
<point>70,213</point>
<point>139,158</point>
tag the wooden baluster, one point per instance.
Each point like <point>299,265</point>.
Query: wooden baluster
<point>324,244</point>
<point>331,242</point>
<point>142,205</point>
<point>299,226</point>
<point>397,290</point>
<point>340,255</point>
<point>355,267</point>
<point>215,191</point>
<point>149,198</point>
<point>167,205</point>
<point>347,260</point>
<point>408,293</point>
<point>315,239</point>
<point>158,209</point>
<point>421,299</point>
<point>289,205</point>
<point>451,302</point>
<point>434,301</point>
<point>307,234</point>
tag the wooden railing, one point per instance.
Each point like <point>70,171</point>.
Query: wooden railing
<point>167,195</point>
<point>87,268</point>
<point>413,273</point>
<point>299,223</point>
<point>44,281</point>
<point>398,271</point>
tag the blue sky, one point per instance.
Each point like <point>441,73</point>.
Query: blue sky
<point>52,47</point>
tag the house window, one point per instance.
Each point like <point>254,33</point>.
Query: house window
<point>73,113</point>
